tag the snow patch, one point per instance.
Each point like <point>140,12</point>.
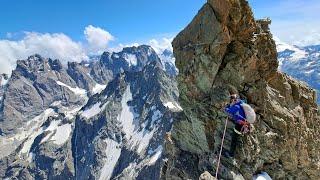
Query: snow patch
<point>116,56</point>
<point>113,152</point>
<point>297,53</point>
<point>30,157</point>
<point>149,51</point>
<point>316,54</point>
<point>52,127</point>
<point>131,59</point>
<point>167,58</point>
<point>309,72</point>
<point>71,114</point>
<point>4,81</point>
<point>126,116</point>
<point>94,110</point>
<point>98,88</point>
<point>62,134</point>
<point>136,139</point>
<point>173,106</point>
<point>156,156</point>
<point>309,63</point>
<point>156,115</point>
<point>142,138</point>
<point>76,90</point>
<point>34,131</point>
<point>58,134</point>
<point>56,103</point>
<point>262,176</point>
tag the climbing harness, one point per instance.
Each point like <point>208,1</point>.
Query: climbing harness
<point>224,133</point>
<point>245,129</point>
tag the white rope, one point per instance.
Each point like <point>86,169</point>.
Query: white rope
<point>224,133</point>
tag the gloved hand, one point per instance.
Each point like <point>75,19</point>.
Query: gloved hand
<point>243,122</point>
<point>245,126</point>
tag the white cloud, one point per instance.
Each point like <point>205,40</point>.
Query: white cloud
<point>121,46</point>
<point>297,33</point>
<point>160,45</point>
<point>295,22</point>
<point>97,38</point>
<point>55,45</point>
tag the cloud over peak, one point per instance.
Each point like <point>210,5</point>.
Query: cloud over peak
<point>97,39</point>
<point>160,45</point>
<point>56,45</point>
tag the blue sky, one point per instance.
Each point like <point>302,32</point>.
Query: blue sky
<point>127,20</point>
<point>139,20</point>
<point>73,29</point>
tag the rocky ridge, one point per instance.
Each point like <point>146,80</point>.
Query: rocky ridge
<point>222,51</point>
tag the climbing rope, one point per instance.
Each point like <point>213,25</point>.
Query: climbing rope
<point>224,133</point>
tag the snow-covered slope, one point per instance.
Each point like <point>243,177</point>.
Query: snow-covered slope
<point>168,62</point>
<point>303,63</point>
<point>289,52</point>
<point>93,120</point>
<point>119,133</point>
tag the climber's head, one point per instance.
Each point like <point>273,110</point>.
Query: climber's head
<point>234,98</point>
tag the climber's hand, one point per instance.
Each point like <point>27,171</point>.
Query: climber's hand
<point>243,123</point>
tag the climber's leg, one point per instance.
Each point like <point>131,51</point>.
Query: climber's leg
<point>235,140</point>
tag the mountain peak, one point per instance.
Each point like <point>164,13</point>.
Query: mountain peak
<point>129,59</point>
<point>232,53</point>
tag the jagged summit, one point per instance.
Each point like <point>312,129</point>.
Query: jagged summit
<point>40,81</point>
<point>37,63</point>
<point>132,117</point>
<point>97,119</point>
<point>224,50</point>
<point>118,116</point>
<point>130,58</point>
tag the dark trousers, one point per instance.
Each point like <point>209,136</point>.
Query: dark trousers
<point>235,139</point>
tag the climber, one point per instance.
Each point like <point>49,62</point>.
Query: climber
<point>238,116</point>
<point>237,113</point>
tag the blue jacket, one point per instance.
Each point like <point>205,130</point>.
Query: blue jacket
<point>236,112</point>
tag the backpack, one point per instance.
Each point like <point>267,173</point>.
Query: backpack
<point>249,111</point>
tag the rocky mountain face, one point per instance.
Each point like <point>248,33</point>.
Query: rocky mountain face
<point>128,120</point>
<point>302,63</point>
<point>222,51</point>
<point>168,62</point>
<point>118,116</point>
<point>98,120</point>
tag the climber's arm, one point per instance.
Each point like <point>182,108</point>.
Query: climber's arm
<point>238,118</point>
<point>233,112</point>
<point>230,110</point>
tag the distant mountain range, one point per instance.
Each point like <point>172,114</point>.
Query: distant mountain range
<point>303,63</point>
<point>101,119</point>
<point>104,118</point>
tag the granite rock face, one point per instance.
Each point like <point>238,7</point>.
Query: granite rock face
<point>222,51</point>
<point>31,89</point>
